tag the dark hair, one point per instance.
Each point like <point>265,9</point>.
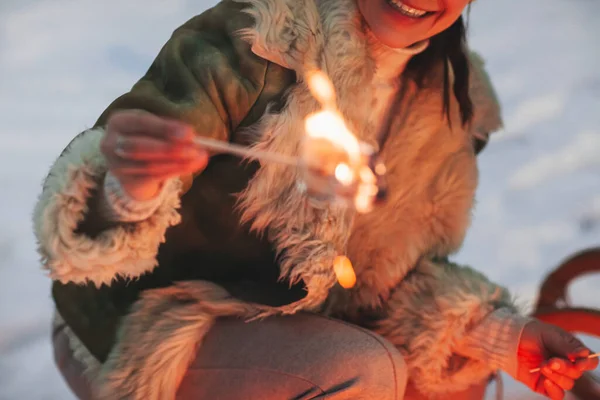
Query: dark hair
<point>450,46</point>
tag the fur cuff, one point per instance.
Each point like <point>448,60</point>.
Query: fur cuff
<point>430,313</point>
<point>496,339</point>
<point>160,338</point>
<point>127,250</point>
<point>118,206</point>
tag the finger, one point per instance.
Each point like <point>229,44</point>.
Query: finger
<point>564,344</point>
<point>144,148</point>
<point>564,367</point>
<point>587,364</point>
<point>582,353</point>
<point>562,381</point>
<point>553,391</point>
<point>539,385</point>
<point>135,122</point>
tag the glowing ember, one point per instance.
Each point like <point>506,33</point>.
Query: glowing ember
<point>344,272</point>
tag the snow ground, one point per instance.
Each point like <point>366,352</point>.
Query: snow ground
<point>63,61</point>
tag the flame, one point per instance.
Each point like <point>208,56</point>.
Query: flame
<point>330,146</point>
<point>321,88</point>
<point>329,123</point>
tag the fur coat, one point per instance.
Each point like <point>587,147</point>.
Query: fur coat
<point>129,292</point>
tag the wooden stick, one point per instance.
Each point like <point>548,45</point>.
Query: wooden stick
<point>596,355</point>
<point>244,152</point>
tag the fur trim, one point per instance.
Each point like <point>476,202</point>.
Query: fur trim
<point>432,186</point>
<point>160,338</point>
<point>450,299</point>
<point>285,31</point>
<point>432,180</point>
<point>80,353</point>
<point>126,250</point>
<point>487,116</point>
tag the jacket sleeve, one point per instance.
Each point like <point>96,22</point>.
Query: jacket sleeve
<point>206,76</point>
<point>487,117</point>
<point>453,326</point>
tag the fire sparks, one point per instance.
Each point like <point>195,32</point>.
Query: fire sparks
<point>329,123</point>
<point>344,174</point>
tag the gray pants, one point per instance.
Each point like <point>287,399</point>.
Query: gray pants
<point>298,357</point>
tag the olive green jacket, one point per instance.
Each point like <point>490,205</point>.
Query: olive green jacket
<point>235,73</point>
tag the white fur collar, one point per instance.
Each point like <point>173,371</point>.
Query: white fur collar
<point>432,186</point>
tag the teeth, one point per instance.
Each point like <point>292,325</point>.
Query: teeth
<point>406,10</point>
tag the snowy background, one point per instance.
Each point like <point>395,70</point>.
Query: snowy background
<point>63,61</point>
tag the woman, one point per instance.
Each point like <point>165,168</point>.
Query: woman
<point>157,248</point>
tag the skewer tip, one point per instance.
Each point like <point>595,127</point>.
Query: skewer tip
<point>595,355</point>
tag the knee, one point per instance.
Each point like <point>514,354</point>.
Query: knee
<point>381,368</point>
<point>371,366</point>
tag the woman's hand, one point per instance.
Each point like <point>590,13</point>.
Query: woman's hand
<point>143,151</point>
<point>561,356</point>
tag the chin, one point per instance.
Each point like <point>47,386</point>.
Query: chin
<point>395,25</point>
<point>393,39</point>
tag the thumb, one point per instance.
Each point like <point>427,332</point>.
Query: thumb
<point>561,343</point>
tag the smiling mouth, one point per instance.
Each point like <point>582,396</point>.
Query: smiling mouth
<point>407,10</point>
